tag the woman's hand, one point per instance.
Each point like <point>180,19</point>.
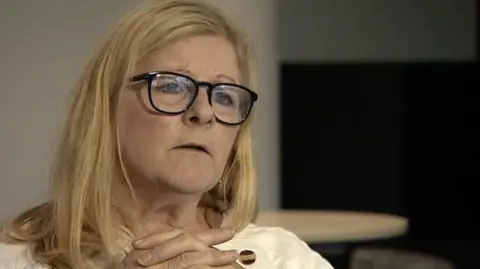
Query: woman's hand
<point>180,250</point>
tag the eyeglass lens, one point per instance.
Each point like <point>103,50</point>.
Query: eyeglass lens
<point>174,93</point>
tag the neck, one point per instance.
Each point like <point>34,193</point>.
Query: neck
<point>156,209</point>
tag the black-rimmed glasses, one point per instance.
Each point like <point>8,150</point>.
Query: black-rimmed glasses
<point>173,93</point>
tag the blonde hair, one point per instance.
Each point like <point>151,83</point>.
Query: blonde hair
<point>79,224</point>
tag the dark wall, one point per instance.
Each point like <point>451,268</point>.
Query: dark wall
<point>342,137</point>
<point>443,143</point>
<point>400,138</point>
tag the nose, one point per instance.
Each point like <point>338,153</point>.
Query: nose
<point>201,111</point>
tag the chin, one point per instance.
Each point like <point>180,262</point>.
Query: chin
<point>190,183</point>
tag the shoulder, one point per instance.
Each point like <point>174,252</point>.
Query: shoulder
<point>276,247</point>
<point>16,256</point>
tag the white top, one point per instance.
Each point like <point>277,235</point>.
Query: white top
<point>330,226</point>
<point>275,248</point>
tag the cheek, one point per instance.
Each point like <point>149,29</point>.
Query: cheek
<point>143,133</point>
<point>224,148</point>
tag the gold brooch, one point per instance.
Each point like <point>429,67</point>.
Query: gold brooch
<point>247,257</point>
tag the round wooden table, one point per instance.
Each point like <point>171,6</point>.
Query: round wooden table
<point>323,226</point>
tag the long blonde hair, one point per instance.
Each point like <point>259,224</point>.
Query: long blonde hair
<point>79,224</point>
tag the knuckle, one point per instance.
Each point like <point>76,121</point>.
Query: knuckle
<point>193,242</point>
<point>186,238</point>
<point>187,258</point>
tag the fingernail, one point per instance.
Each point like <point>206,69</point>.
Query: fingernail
<point>231,254</point>
<point>144,259</point>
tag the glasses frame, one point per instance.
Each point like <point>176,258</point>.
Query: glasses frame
<point>150,76</point>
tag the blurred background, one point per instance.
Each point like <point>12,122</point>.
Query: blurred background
<point>364,106</point>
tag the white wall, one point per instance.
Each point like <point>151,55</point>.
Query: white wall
<point>44,46</point>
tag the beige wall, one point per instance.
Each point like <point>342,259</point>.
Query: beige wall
<point>44,45</point>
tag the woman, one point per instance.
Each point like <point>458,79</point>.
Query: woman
<point>154,167</point>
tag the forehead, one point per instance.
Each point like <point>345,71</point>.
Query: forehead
<point>204,57</point>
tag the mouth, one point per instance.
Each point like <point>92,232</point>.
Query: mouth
<point>194,147</point>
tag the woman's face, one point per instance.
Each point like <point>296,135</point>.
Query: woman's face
<point>152,142</point>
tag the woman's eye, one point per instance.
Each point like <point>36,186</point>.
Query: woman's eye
<point>168,87</point>
<point>171,87</point>
<point>223,98</point>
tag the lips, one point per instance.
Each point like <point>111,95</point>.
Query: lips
<point>193,146</point>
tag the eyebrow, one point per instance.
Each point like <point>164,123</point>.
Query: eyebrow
<point>227,78</point>
<point>219,76</point>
